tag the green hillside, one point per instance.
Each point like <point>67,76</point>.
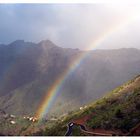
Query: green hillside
<point>119,109</point>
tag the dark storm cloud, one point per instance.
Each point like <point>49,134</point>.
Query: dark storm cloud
<point>67,25</point>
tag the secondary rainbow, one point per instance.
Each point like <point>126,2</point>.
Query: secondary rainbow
<point>55,89</point>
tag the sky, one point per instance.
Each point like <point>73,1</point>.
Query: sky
<point>72,25</point>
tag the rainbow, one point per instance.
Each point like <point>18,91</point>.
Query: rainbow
<point>56,87</point>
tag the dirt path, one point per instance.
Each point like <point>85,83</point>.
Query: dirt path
<point>81,122</point>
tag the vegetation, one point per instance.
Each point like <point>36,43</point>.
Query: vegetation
<point>119,109</point>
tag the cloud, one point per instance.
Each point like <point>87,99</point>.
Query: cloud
<point>67,25</point>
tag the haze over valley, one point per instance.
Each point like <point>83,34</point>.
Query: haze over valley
<point>28,70</point>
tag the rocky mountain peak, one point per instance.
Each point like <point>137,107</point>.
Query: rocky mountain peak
<point>46,43</point>
<point>17,42</point>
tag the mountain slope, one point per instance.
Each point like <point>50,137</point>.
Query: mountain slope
<point>29,69</point>
<point>118,110</point>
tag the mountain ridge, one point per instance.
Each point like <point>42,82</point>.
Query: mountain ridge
<point>28,71</point>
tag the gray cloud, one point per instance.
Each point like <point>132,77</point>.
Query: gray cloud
<point>68,25</point>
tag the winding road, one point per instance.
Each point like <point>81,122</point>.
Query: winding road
<point>135,131</point>
<point>81,123</point>
<point>69,129</point>
<point>98,131</point>
<point>85,130</point>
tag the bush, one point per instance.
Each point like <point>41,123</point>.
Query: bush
<point>118,113</point>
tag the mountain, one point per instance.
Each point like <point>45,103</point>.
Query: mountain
<point>29,69</point>
<point>117,112</point>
